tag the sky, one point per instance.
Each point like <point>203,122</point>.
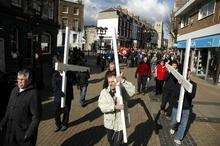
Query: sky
<point>150,10</point>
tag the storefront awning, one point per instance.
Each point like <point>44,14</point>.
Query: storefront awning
<point>204,42</point>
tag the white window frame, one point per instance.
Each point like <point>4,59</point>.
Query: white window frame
<point>205,9</point>
<point>77,13</point>
<point>67,10</point>
<point>183,22</point>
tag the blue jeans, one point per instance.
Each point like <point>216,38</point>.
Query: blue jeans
<point>83,90</point>
<point>182,125</point>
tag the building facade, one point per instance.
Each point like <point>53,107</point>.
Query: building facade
<point>199,20</point>
<point>28,30</point>
<point>71,14</point>
<point>91,37</point>
<point>159,28</point>
<point>131,30</point>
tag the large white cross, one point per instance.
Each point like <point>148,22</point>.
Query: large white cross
<point>66,67</point>
<point>185,84</point>
<point>118,90</point>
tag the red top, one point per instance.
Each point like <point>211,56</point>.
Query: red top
<point>161,72</point>
<point>143,69</point>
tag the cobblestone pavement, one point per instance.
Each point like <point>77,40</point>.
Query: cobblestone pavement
<point>86,124</point>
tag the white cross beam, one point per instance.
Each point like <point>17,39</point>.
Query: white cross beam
<point>185,83</point>
<point>68,67</point>
<point>118,91</point>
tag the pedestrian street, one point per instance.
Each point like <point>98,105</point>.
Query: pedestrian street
<point>147,126</point>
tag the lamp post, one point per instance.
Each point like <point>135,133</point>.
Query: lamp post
<point>101,32</point>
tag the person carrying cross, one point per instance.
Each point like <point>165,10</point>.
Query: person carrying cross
<point>187,104</point>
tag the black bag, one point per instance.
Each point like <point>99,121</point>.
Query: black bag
<point>117,138</point>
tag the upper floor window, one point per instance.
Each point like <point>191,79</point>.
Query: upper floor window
<point>48,9</point>
<point>36,6</point>
<point>184,21</point>
<point>75,24</point>
<point>16,3</point>
<point>206,10</point>
<point>64,21</point>
<point>65,9</point>
<point>76,11</point>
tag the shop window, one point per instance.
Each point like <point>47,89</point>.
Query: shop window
<point>16,3</point>
<point>45,43</point>
<point>206,10</point>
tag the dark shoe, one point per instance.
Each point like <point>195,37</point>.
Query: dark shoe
<point>63,128</point>
<point>57,129</point>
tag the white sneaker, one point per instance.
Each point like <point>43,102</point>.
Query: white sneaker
<point>178,142</point>
<point>172,131</point>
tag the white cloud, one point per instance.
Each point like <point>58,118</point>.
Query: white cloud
<point>147,9</point>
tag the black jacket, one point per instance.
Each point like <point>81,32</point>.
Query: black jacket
<point>188,97</point>
<point>57,87</point>
<point>22,116</point>
<point>82,78</point>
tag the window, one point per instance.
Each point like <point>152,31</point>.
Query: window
<point>206,10</point>
<point>48,9</point>
<point>74,38</point>
<point>16,3</point>
<point>36,6</point>
<point>64,22</point>
<point>76,11</point>
<point>76,24</point>
<point>65,9</point>
<point>184,21</point>
<point>45,43</point>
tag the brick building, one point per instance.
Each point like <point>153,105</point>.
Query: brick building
<point>199,20</point>
<point>71,14</point>
<point>132,31</point>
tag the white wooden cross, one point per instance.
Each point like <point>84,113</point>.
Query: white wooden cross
<point>118,90</point>
<point>66,67</point>
<point>185,84</point>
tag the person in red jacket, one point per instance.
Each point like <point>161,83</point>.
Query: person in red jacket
<point>143,71</point>
<point>161,73</point>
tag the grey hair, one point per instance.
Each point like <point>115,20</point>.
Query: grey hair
<point>26,73</point>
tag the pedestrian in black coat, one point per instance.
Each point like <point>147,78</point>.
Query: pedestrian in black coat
<point>169,91</point>
<point>23,113</point>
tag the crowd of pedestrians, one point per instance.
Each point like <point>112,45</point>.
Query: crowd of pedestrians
<point>22,116</point>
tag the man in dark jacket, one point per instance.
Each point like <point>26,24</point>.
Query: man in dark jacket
<point>170,85</point>
<point>23,113</point>
<point>57,93</point>
<point>187,103</point>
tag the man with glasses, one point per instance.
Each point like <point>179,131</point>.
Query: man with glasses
<point>22,116</point>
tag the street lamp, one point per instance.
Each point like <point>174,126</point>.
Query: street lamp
<point>101,32</point>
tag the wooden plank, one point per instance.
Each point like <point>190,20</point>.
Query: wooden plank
<point>185,83</point>
<point>68,67</point>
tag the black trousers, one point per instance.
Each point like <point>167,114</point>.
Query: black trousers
<point>59,111</point>
<point>159,86</point>
<point>167,98</point>
<point>114,138</point>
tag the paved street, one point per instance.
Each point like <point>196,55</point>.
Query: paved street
<point>86,124</point>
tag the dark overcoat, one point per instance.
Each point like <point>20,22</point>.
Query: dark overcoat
<point>22,117</point>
